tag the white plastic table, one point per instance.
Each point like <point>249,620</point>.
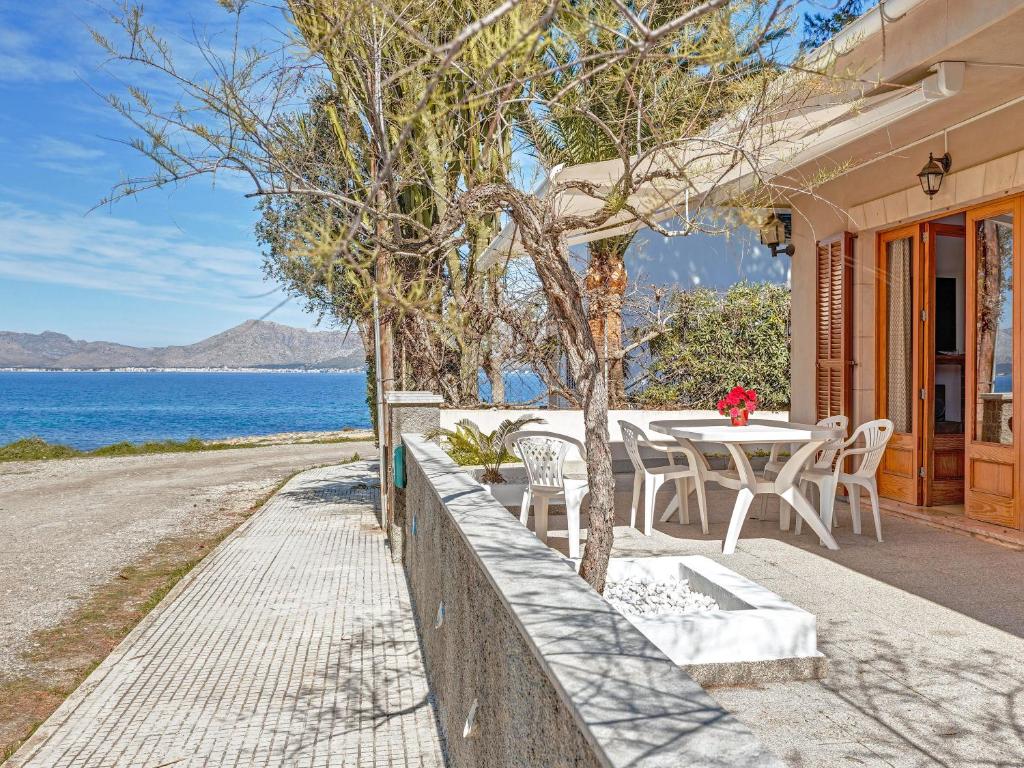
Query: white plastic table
<point>810,439</point>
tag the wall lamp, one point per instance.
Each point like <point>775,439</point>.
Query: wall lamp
<point>933,172</point>
<point>773,234</point>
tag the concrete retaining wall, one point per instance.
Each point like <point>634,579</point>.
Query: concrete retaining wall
<point>558,678</point>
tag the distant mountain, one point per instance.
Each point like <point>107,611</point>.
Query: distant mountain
<point>253,344</point>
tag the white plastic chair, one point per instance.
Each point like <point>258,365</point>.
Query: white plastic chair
<point>823,460</point>
<point>687,478</point>
<point>876,436</point>
<point>544,453</point>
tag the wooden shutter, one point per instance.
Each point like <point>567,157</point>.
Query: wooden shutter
<point>833,383</point>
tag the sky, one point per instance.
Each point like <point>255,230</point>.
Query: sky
<point>170,266</point>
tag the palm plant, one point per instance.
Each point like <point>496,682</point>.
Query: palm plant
<point>469,445</point>
<point>577,108</point>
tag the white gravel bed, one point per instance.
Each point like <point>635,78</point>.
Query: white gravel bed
<point>637,597</point>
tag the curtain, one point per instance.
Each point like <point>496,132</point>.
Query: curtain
<point>900,324</point>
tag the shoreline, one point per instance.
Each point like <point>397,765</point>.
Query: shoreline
<point>32,449</point>
<point>293,438</point>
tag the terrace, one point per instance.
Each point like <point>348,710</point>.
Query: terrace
<point>923,632</point>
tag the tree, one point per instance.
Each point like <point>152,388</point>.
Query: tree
<point>418,86</point>
<point>624,106</point>
<point>819,28</point>
<point>376,85</point>
<point>715,341</point>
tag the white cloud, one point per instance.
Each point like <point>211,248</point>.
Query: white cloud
<point>22,60</point>
<point>118,254</point>
<point>67,156</point>
<point>60,149</point>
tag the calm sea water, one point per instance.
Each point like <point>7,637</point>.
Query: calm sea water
<point>87,410</point>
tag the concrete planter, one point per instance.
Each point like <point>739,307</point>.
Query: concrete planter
<point>510,493</point>
<point>755,636</point>
<point>507,494</point>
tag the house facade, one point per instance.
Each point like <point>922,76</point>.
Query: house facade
<point>906,305</point>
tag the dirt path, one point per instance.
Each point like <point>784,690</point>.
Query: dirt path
<point>68,527</point>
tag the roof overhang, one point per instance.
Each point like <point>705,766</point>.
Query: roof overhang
<point>976,67</point>
<point>793,141</point>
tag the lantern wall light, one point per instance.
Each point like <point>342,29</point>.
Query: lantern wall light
<point>933,172</point>
<point>773,234</point>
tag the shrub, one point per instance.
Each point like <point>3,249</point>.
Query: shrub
<point>717,341</point>
<point>34,449</point>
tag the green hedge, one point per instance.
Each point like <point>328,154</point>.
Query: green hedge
<point>716,341</point>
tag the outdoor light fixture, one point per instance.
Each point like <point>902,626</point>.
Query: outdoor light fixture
<point>773,234</point>
<point>933,172</point>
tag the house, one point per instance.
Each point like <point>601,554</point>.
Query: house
<point>907,305</point>
<point>906,302</point>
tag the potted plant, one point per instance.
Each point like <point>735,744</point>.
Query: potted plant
<point>738,405</point>
<point>468,445</point>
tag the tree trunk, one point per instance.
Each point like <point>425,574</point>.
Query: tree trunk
<point>493,347</point>
<point>606,283</point>
<point>492,369</point>
<point>560,286</point>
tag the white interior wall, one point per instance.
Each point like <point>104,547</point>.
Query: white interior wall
<point>950,261</point>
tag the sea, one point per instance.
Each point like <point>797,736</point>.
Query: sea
<point>89,409</point>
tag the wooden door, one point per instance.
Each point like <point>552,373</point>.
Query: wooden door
<point>943,446</point>
<point>833,375</point>
<point>993,363</point>
<point>900,381</point>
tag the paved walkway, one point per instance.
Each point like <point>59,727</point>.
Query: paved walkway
<point>292,645</point>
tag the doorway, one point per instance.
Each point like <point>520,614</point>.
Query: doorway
<point>922,361</point>
<point>945,362</point>
<point>949,347</point>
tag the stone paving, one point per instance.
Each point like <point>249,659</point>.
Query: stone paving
<point>924,633</point>
<point>293,644</point>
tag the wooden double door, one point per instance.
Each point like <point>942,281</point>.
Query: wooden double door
<point>949,351</point>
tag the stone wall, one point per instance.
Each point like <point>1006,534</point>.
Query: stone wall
<point>415,412</point>
<point>529,666</point>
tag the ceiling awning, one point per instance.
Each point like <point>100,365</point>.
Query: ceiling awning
<point>784,145</point>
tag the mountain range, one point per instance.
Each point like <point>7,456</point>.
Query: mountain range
<point>253,344</point>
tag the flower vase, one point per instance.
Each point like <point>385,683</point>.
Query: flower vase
<point>741,419</point>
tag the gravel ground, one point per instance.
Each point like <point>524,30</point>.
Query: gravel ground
<point>68,526</point>
<point>638,597</point>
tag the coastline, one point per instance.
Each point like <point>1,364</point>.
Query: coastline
<point>91,410</point>
<point>30,449</point>
<point>351,434</point>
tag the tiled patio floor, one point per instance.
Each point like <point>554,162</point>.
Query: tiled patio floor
<point>924,632</point>
<point>293,644</point>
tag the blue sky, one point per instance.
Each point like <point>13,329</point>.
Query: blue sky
<point>167,267</point>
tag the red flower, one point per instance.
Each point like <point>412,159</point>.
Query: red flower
<point>738,401</point>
